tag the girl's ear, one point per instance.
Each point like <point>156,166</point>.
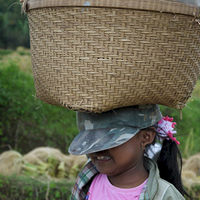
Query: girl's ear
<point>148,136</point>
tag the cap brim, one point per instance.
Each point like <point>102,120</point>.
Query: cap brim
<point>90,141</point>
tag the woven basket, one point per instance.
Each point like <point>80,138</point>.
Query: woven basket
<point>100,55</point>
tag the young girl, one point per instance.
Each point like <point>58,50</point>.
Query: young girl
<point>118,143</point>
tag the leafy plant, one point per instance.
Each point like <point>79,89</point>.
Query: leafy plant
<point>25,188</point>
<point>189,144</point>
<point>196,93</point>
<point>189,122</point>
<point>14,26</point>
<point>26,122</point>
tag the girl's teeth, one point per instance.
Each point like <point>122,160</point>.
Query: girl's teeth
<point>103,157</point>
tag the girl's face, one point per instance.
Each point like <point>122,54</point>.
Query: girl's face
<point>120,160</point>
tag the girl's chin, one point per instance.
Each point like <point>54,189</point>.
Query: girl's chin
<point>107,171</point>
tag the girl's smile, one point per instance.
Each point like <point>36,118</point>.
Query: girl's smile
<point>102,155</point>
<point>100,158</point>
<point>122,162</point>
<point>103,158</point>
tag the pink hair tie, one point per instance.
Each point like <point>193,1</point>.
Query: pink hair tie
<point>166,129</point>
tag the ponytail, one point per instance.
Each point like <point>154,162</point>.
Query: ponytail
<point>169,160</point>
<point>170,165</point>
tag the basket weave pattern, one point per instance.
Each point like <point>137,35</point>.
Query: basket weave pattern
<point>97,59</point>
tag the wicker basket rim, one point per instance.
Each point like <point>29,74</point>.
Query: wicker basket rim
<point>170,6</point>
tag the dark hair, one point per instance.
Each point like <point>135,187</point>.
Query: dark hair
<point>169,161</point>
<point>170,165</point>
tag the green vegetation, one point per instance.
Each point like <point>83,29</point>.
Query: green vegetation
<point>195,192</point>
<point>26,122</point>
<point>188,129</point>
<point>14,25</point>
<point>196,92</point>
<point>4,52</point>
<point>13,188</point>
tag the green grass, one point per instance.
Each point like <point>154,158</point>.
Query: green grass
<point>25,188</point>
<point>23,51</point>
<point>188,129</point>
<point>4,53</point>
<point>26,122</point>
<point>196,93</point>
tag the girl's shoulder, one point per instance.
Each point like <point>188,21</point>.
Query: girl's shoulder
<point>167,191</point>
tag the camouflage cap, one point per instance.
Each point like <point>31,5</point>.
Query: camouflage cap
<point>110,129</point>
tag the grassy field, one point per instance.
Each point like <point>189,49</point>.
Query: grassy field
<point>25,119</point>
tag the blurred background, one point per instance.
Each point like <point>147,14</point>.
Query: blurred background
<point>34,136</point>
